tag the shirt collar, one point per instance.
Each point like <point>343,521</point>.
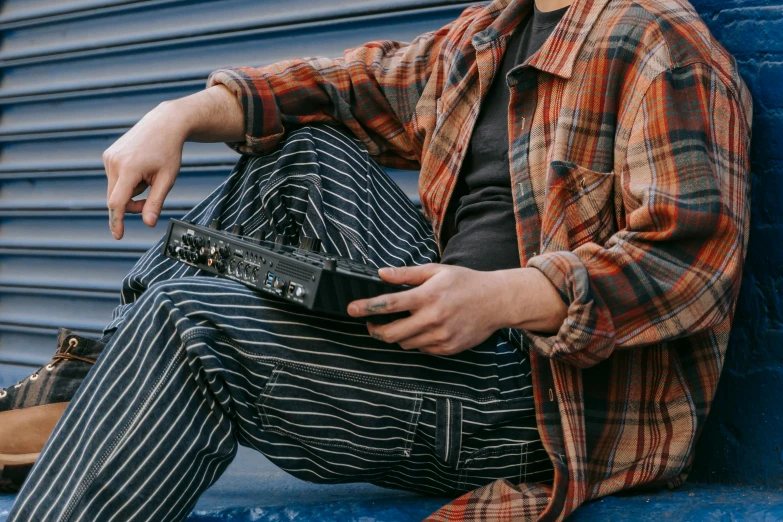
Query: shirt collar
<point>560,51</point>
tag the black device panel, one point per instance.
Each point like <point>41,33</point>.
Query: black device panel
<point>303,276</point>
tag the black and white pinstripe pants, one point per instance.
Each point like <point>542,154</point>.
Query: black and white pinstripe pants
<point>199,364</point>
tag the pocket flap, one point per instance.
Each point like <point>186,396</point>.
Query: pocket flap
<point>328,408</point>
<point>579,207</point>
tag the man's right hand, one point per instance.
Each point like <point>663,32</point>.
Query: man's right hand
<point>150,154</point>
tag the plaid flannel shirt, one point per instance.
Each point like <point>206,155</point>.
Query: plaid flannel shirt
<point>629,134</point>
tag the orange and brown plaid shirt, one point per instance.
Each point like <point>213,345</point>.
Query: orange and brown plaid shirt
<point>629,133</point>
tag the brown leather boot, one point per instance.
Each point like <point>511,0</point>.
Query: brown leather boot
<point>30,410</point>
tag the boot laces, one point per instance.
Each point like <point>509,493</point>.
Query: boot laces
<point>60,355</point>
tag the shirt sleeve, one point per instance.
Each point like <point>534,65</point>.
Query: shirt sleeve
<point>675,267</point>
<point>373,90</point>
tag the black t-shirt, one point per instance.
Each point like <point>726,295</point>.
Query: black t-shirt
<point>485,237</point>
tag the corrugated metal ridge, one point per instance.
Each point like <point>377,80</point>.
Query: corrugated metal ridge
<point>74,209</point>
<point>62,284</point>
<point>304,25</point>
<point>87,91</point>
<point>44,213</point>
<point>108,288</point>
<point>43,134</point>
<point>93,173</point>
<point>55,13</point>
<point>12,327</point>
<point>35,209</point>
<point>223,158</point>
<point>67,253</point>
<point>51,324</point>
<point>241,23</point>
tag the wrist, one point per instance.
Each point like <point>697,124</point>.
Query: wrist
<point>172,116</point>
<point>508,306</point>
<point>530,302</point>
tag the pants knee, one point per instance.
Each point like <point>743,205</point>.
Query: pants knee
<point>334,143</point>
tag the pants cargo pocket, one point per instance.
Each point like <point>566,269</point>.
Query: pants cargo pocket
<point>486,465</point>
<point>498,439</point>
<point>364,426</point>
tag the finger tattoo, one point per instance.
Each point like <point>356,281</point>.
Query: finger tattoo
<point>376,307</point>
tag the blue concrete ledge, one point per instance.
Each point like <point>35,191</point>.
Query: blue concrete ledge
<point>253,489</point>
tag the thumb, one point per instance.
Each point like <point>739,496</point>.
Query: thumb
<point>409,275</point>
<point>154,204</point>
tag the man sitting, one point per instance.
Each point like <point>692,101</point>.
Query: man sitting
<point>584,184</point>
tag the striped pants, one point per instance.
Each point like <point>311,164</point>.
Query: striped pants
<point>197,365</point>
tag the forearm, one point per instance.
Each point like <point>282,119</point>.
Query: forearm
<point>208,116</point>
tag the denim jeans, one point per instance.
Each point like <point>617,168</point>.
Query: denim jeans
<point>197,365</point>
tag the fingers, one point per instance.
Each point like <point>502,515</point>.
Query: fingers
<point>415,333</point>
<point>118,200</point>
<point>399,329</point>
<point>425,342</point>
<point>135,206</point>
<point>409,275</point>
<point>385,304</point>
<point>111,172</point>
<point>141,187</point>
<point>154,203</point>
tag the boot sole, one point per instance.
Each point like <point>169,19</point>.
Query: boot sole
<point>18,460</point>
<point>14,471</point>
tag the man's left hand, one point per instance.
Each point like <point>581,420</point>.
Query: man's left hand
<point>454,308</point>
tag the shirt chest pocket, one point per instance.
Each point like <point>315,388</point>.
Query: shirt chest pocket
<point>579,207</point>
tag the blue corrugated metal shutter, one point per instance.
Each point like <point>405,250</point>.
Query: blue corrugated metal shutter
<point>76,74</point>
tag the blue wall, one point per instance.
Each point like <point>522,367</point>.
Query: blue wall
<point>743,440</point>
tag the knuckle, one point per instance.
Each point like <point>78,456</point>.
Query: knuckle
<point>375,333</point>
<point>115,160</point>
<point>442,337</point>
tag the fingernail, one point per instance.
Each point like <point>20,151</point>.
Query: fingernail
<point>387,270</point>
<point>150,216</point>
<point>353,309</point>
<point>116,235</point>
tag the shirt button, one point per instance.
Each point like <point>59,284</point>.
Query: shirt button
<point>459,147</point>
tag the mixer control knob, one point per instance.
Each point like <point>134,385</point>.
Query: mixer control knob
<point>280,240</point>
<point>215,224</point>
<point>312,244</point>
<point>236,230</point>
<point>330,264</point>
